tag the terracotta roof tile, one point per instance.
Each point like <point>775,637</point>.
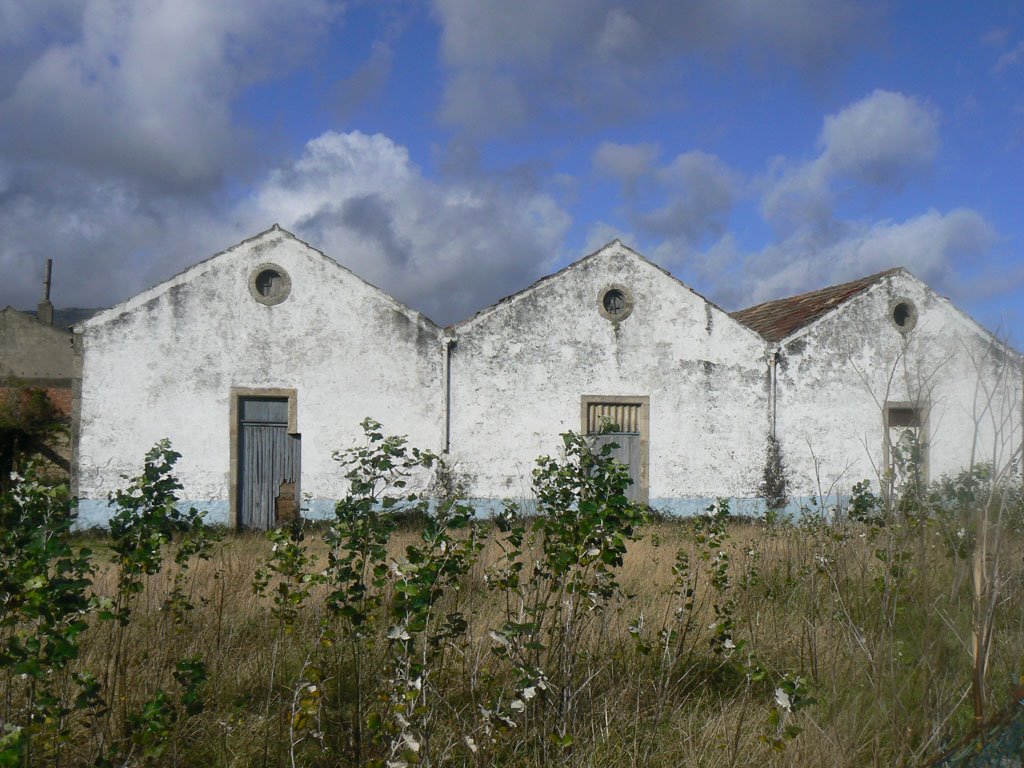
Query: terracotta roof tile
<point>775,320</point>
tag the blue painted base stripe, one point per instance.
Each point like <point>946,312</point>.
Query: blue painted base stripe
<point>95,513</point>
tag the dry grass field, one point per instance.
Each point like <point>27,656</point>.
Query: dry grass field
<point>576,639</point>
<point>889,675</point>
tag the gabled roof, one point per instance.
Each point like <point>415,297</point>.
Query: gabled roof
<point>615,246</point>
<point>268,235</point>
<point>775,320</point>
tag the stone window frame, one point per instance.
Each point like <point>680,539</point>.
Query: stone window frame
<point>644,402</point>
<point>922,412</point>
<point>286,280</point>
<point>236,395</point>
<point>616,317</point>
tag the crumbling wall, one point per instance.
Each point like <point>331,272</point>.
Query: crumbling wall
<point>38,356</point>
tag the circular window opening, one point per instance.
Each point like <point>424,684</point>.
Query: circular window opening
<point>269,284</point>
<point>903,315</point>
<point>615,302</point>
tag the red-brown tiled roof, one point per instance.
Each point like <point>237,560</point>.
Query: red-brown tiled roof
<point>775,320</point>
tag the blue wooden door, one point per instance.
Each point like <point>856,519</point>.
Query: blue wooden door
<point>268,458</point>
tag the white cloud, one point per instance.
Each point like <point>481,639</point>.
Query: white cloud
<point>445,248</point>
<point>883,141</point>
<point>118,132</point>
<point>1009,58</point>
<point>145,88</point>
<point>932,245</point>
<point>600,233</point>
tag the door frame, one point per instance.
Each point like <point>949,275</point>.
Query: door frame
<point>644,402</point>
<point>922,412</point>
<point>236,394</point>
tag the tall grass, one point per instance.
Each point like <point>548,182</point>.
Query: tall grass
<point>711,641</point>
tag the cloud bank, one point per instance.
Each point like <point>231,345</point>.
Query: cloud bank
<point>127,153</point>
<point>514,63</point>
<point>448,249</point>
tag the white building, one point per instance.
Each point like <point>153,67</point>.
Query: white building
<point>852,366</point>
<point>611,336</point>
<point>262,361</point>
<point>258,364</point>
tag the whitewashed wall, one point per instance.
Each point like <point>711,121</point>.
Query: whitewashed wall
<point>163,365</point>
<point>519,369</point>
<point>836,375</point>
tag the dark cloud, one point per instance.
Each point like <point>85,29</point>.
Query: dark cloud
<point>625,162</point>
<point>702,193</point>
<point>447,248</point>
<point>510,62</point>
<point>373,217</point>
<point>117,134</point>
<point>108,239</point>
<point>696,191</point>
<point>145,90</point>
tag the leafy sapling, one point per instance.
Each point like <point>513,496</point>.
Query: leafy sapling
<point>584,521</point>
<point>147,518</point>
<point>44,584</point>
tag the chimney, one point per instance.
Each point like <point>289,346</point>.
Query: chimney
<point>45,309</point>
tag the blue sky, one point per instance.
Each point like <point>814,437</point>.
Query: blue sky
<point>453,151</point>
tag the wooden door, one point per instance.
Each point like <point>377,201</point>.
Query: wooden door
<point>268,458</point>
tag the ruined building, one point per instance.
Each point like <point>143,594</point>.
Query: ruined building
<point>38,367</point>
<point>261,361</point>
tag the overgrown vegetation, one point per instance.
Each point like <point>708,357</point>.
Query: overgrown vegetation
<point>774,484</point>
<point>583,634</point>
<point>27,416</point>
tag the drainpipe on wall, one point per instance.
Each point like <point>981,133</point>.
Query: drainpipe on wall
<point>449,345</point>
<point>773,390</point>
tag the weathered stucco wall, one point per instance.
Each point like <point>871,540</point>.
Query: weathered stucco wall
<point>163,365</point>
<point>519,370</point>
<point>835,377</point>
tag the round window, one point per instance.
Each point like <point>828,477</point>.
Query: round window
<point>903,315</point>
<point>615,302</point>
<point>269,284</point>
